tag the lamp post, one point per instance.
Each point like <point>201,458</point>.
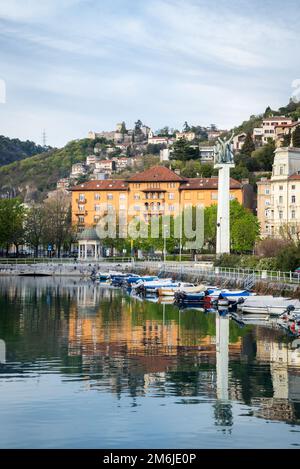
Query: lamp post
<point>165,244</point>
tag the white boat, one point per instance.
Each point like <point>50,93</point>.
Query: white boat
<point>271,305</point>
<point>170,290</point>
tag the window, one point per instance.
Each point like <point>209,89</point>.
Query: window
<point>97,208</point>
<point>267,202</point>
<point>122,196</point>
<point>280,199</point>
<point>200,196</point>
<point>280,214</point>
<point>281,188</point>
<point>267,213</point>
<point>137,196</point>
<point>293,199</point>
<point>97,196</point>
<point>81,208</point>
<point>81,219</point>
<point>293,187</point>
<point>281,170</point>
<point>267,191</point>
<point>293,214</point>
<point>110,197</point>
<point>81,197</point>
<point>171,185</point>
<point>171,208</point>
<point>171,196</point>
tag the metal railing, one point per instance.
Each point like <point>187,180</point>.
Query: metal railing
<point>248,276</point>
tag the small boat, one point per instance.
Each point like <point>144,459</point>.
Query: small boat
<point>274,306</point>
<point>131,280</point>
<point>183,298</point>
<point>152,287</point>
<point>171,290</point>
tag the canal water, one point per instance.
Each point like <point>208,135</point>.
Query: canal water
<point>86,366</point>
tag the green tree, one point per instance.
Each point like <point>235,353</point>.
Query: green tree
<point>184,151</point>
<point>58,229</point>
<point>123,128</point>
<point>248,146</point>
<point>34,227</point>
<point>12,217</point>
<point>244,227</point>
<point>138,127</point>
<point>186,127</point>
<point>296,137</point>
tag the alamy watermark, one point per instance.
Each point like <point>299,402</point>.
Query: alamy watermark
<point>2,91</point>
<point>187,227</point>
<point>2,352</point>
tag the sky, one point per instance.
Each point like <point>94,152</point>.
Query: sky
<point>70,66</point>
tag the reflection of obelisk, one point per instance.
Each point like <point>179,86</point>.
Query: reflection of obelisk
<point>222,340</point>
<point>223,411</point>
<point>223,162</point>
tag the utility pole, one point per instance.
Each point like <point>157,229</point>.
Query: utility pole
<point>44,138</point>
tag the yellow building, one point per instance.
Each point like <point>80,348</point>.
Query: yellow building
<point>154,192</point>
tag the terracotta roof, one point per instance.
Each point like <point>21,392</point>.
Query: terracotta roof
<point>157,173</point>
<point>207,183</point>
<point>277,118</point>
<point>295,176</point>
<point>105,185</point>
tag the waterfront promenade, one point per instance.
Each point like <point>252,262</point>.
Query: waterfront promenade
<point>192,271</point>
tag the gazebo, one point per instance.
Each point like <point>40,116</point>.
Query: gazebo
<point>89,245</point>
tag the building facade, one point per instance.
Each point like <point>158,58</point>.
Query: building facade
<point>154,192</point>
<point>278,198</point>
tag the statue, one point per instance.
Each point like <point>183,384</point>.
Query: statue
<point>223,151</point>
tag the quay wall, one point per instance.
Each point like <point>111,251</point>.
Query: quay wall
<point>281,285</point>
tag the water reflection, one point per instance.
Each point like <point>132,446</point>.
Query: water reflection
<point>112,343</point>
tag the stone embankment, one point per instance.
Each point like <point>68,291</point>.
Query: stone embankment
<point>186,272</point>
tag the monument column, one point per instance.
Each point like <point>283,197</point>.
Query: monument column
<point>223,162</point>
<point>223,217</point>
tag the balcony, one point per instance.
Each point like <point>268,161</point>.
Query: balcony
<point>84,201</point>
<point>81,213</point>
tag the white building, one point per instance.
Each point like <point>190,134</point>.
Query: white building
<point>278,199</point>
<point>78,169</point>
<point>91,160</point>
<point>189,136</point>
<point>206,154</point>
<point>238,141</point>
<point>270,123</point>
<point>153,140</point>
<point>164,155</point>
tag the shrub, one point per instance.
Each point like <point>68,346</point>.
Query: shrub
<point>288,259</point>
<point>270,247</point>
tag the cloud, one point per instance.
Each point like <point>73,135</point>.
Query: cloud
<point>33,10</point>
<point>2,91</point>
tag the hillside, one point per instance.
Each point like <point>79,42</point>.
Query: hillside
<point>15,150</point>
<point>41,172</point>
<point>291,110</point>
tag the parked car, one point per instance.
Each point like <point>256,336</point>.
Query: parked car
<point>296,273</point>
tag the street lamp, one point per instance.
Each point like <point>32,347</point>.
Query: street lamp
<point>165,243</point>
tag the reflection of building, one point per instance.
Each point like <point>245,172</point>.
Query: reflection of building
<point>284,367</point>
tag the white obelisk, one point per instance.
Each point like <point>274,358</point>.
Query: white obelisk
<point>222,356</point>
<point>223,162</point>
